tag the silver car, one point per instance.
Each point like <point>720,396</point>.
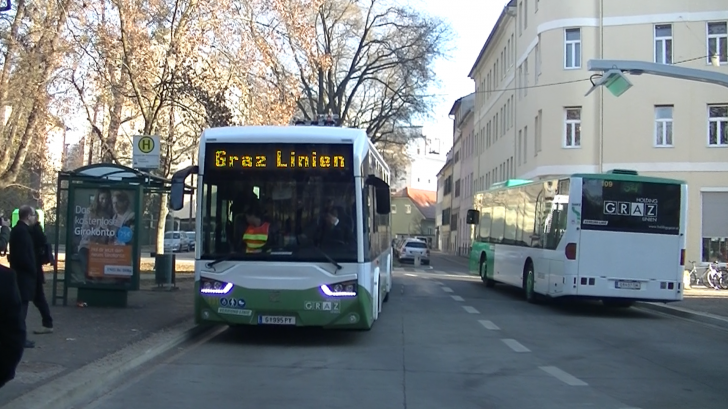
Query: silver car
<point>411,248</point>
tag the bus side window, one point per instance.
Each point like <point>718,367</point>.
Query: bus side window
<point>557,225</point>
<point>484,225</point>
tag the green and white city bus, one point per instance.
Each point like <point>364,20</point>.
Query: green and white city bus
<point>616,237</point>
<point>291,175</point>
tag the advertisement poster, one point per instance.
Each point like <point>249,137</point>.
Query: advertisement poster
<point>102,236</point>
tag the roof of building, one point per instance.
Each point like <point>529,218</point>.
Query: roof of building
<point>492,35</point>
<point>425,200</point>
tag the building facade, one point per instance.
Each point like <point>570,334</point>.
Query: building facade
<point>462,172</point>
<point>532,119</point>
<point>426,157</point>
<point>444,203</point>
<point>413,213</point>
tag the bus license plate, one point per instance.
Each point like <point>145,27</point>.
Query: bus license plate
<point>276,320</point>
<point>628,285</point>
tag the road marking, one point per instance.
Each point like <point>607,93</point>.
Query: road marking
<point>489,325</point>
<point>515,345</point>
<point>563,376</point>
<point>410,275</point>
<point>437,282</point>
<point>447,289</point>
<point>457,298</point>
<point>470,309</point>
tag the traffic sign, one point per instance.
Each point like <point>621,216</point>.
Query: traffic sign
<point>146,152</point>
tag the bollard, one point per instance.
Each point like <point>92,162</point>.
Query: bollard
<point>417,260</point>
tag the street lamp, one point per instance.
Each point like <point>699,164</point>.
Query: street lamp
<point>614,81</point>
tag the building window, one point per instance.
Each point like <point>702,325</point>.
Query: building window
<point>394,209</point>
<point>573,127</point>
<point>538,58</point>
<point>718,125</point>
<point>714,226</point>
<point>718,41</point>
<point>572,48</point>
<point>520,18</point>
<point>663,43</point>
<point>663,125</point>
<point>408,209</point>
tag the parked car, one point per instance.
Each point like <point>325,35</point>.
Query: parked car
<point>191,236</point>
<point>411,248</point>
<point>176,241</point>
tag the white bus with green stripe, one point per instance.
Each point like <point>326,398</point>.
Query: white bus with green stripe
<point>292,174</point>
<point>617,237</point>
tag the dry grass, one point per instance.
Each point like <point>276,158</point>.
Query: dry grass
<point>145,267</point>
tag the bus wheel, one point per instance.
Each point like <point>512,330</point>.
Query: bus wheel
<point>483,268</point>
<point>530,283</point>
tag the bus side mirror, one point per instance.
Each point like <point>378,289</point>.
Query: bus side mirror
<point>472,216</point>
<point>382,198</point>
<point>178,190</point>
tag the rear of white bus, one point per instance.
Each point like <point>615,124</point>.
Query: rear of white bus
<point>631,244</point>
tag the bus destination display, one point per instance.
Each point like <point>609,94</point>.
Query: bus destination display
<point>277,156</point>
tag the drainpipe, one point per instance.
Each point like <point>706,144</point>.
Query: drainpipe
<point>600,168</point>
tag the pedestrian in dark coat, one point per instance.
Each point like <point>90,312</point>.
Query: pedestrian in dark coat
<point>42,256</point>
<point>23,261</point>
<point>12,329</point>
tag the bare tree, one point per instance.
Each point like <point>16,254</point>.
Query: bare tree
<point>374,65</point>
<point>31,51</point>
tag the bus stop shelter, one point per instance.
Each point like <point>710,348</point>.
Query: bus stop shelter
<point>99,211</point>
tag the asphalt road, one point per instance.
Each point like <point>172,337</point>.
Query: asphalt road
<point>444,341</point>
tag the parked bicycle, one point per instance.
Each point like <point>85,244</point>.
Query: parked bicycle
<point>713,276</point>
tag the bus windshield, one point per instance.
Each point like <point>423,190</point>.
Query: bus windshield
<point>305,214</point>
<point>630,206</point>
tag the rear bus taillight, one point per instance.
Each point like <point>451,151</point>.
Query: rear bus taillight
<point>570,251</point>
<point>682,257</point>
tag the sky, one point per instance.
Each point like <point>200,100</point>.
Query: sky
<point>471,22</point>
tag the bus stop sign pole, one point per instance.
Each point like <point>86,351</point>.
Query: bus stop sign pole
<point>617,83</point>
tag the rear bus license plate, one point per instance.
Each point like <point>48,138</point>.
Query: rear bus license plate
<point>276,320</point>
<point>628,285</point>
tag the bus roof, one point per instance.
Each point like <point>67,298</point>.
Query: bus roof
<point>626,177</point>
<point>258,134</point>
<point>617,175</point>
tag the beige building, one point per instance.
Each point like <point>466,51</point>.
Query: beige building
<point>532,118</point>
<point>443,216</point>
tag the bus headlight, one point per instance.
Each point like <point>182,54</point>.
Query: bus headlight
<point>345,289</point>
<point>210,286</point>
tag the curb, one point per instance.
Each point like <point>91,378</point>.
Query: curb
<point>702,317</point>
<point>97,378</point>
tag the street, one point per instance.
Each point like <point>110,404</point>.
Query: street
<point>446,341</point>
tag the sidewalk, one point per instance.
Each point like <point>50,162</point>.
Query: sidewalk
<point>699,304</point>
<point>85,335</point>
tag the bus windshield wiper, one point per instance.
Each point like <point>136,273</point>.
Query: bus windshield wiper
<point>223,258</point>
<point>331,260</point>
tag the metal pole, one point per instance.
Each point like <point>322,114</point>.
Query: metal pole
<point>636,67</point>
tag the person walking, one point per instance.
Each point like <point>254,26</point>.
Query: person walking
<point>22,260</point>
<point>12,330</point>
<point>42,256</point>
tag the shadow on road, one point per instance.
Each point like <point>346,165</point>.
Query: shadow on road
<point>569,306</point>
<point>290,336</point>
